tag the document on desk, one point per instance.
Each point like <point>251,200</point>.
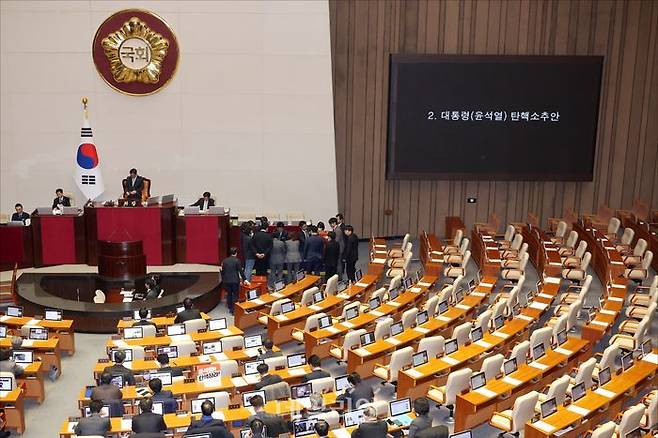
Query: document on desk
<point>599,323</point>
<point>393,341</point>
<point>181,338</point>
<point>512,381</point>
<point>333,330</point>
<point>578,410</point>
<point>483,344</point>
<point>218,415</point>
<point>482,283</point>
<point>463,307</point>
<point>126,424</point>
<point>315,308</point>
<point>347,324</point>
<point>379,261</point>
<point>424,284</point>
<point>225,332</point>
<point>33,322</point>
<point>525,317</point>
<point>486,392</point>
<point>538,306</point>
<point>277,295</point>
<point>204,358</point>
<point>361,351</point>
<point>281,318</point>
<point>257,301</point>
<point>30,343</point>
<point>359,284</point>
<point>651,358</point>
<point>449,360</point>
<point>607,312</point>
<point>239,382</point>
<point>422,330</point>
<point>543,426</point>
<point>539,366</point>
<point>415,374</point>
<point>119,343</point>
<point>499,334</point>
<point>296,371</point>
<point>343,296</point>
<point>377,313</point>
<point>545,296</point>
<point>219,356</point>
<point>416,290</point>
<point>553,280</point>
<point>563,351</point>
<point>394,303</point>
<point>478,294</point>
<point>72,425</point>
<point>4,318</point>
<point>443,318</point>
<point>605,393</point>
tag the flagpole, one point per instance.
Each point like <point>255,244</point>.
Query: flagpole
<point>84,103</point>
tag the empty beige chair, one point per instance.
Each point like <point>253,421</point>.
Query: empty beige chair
<point>606,359</point>
<point>409,318</point>
<point>379,293</point>
<point>645,295</point>
<point>323,385</point>
<point>520,352</point>
<point>274,310</point>
<point>332,418</point>
<point>194,325</point>
<point>630,420</point>
<point>572,315</point>
<point>462,333</point>
<point>277,391</point>
<point>231,343</point>
<point>276,363</point>
<point>569,246</point>
<point>446,395</point>
<point>458,257</point>
<point>627,341</point>
<point>650,418</point>
<point>221,398</point>
<point>398,252</point>
<point>349,306</point>
<point>433,345</point>
<point>514,248</point>
<point>557,389</point>
<point>431,305</point>
<point>331,287</point>
<point>401,266</point>
<point>541,336</point>
<point>311,324</point>
<point>99,297</point>
<point>383,328</point>
<point>606,430</point>
<point>307,296</point>
<point>574,260</point>
<point>514,420</point>
<point>578,292</point>
<point>514,261</point>
<point>483,320</point>
<point>638,311</point>
<point>515,273</point>
<point>380,407</point>
<point>148,330</point>
<point>613,228</point>
<point>498,309</point>
<point>456,271</point>
<point>624,245</point>
<point>185,348</point>
<point>492,365</point>
<point>138,352</point>
<point>400,359</point>
<point>559,233</point>
<point>446,294</point>
<point>351,340</point>
<point>630,326</point>
<point>640,273</point>
<point>584,374</point>
<point>395,282</point>
<point>579,273</point>
<point>456,242</point>
<point>558,323</point>
<point>25,330</point>
<point>510,234</point>
<point>635,258</point>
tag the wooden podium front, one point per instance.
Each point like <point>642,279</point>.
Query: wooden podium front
<point>121,260</point>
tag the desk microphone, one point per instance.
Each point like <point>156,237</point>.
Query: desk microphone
<point>77,289</point>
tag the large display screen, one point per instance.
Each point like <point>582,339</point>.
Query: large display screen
<point>493,117</point>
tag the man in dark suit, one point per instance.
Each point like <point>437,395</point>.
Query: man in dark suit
<point>331,256</point>
<point>166,397</point>
<point>358,393</point>
<point>274,424</point>
<point>106,390</point>
<point>267,350</point>
<point>60,199</point>
<point>423,421</point>
<point>133,186</point>
<point>20,215</point>
<point>143,318</point>
<point>313,251</point>
<point>147,421</point>
<point>151,292</point>
<point>205,202</point>
<point>351,254</point>
<point>189,313</point>
<point>207,423</point>
<point>261,244</point>
<point>316,371</point>
<point>232,276</point>
<point>94,424</point>
<point>371,427</point>
<point>118,369</point>
<point>163,360</point>
<point>266,378</point>
<point>280,232</point>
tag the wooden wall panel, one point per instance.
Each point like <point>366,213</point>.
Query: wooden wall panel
<point>364,34</point>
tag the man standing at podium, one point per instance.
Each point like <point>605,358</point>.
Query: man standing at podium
<point>205,202</point>
<point>60,199</point>
<point>133,186</point>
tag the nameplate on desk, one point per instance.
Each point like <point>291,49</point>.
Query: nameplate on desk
<point>297,371</point>
<point>525,317</point>
<point>276,295</point>
<point>615,299</point>
<point>377,313</point>
<point>394,303</point>
<point>543,426</point>
<point>553,280</point>
<point>486,284</point>
<point>361,351</point>
<point>343,296</point>
<point>422,330</point>
<point>539,366</point>
<point>478,294</point>
<point>651,358</point>
<point>126,424</point>
<point>486,392</point>
<point>599,323</point>
<point>220,356</point>
<point>501,335</point>
<point>512,381</point>
<point>415,374</point>
<point>578,410</point>
<point>563,351</point>
<point>443,318</point>
<point>538,306</point>
<point>225,332</point>
<point>257,301</point>
<point>463,307</point>
<point>332,329</point>
<point>424,284</point>
<point>349,325</point>
<point>379,261</point>
<point>416,289</point>
<point>607,312</point>
<point>605,393</point>
<point>495,260</point>
<point>449,360</point>
<point>483,344</point>
<point>547,296</point>
<point>180,338</point>
<point>359,284</point>
<point>28,343</point>
<point>315,308</point>
<point>393,341</point>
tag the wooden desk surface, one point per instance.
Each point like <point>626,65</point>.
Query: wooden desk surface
<point>288,291</point>
<point>606,316</point>
<point>159,321</point>
<point>158,341</point>
<point>11,396</point>
<point>49,345</point>
<point>13,321</point>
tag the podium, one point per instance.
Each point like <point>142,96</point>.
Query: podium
<point>121,260</point>
<point>58,239</point>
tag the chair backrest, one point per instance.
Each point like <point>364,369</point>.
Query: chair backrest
<point>351,305</point>
<point>381,407</point>
<point>642,328</point>
<point>517,242</point>
<point>630,419</point>
<point>276,306</point>
<point>432,304</point>
<point>586,285</point>
<point>606,430</point>
<point>572,314</point>
<point>646,260</point>
<point>512,299</point>
<point>585,261</point>
<point>457,382</point>
<point>523,250</point>
<point>509,233</point>
<point>307,296</point>
<point>138,352</point>
<point>222,398</point>
<point>459,234</point>
<point>232,342</point>
<point>483,320</point>
<point>652,411</point>
<point>582,247</point>
<point>379,293</point>
<point>399,359</point>
<point>561,323</point>
<point>541,336</point>
<point>520,351</point>
<point>383,328</point>
<point>572,239</point>
<point>464,245</point>
<point>627,237</point>
<point>395,282</point>
<point>312,321</point>
<point>405,240</point>
<point>433,345</point>
<point>332,418</point>
<point>277,391</point>
<point>558,389</point>
<point>322,385</point>
<point>331,288</point>
<point>276,362</point>
<point>499,309</point>
<point>613,225</point>
<point>640,247</point>
<point>492,365</point>
<point>146,189</point>
<point>99,297</point>
<point>185,348</point>
<point>149,330</point>
<point>194,325</point>
<point>523,410</point>
<point>25,330</point>
<point>521,280</point>
<point>466,259</point>
<point>585,371</point>
<point>446,293</point>
<point>457,284</point>
<point>523,262</point>
<point>461,333</point>
<point>561,229</point>
<point>352,338</point>
<point>409,317</point>
<point>609,357</point>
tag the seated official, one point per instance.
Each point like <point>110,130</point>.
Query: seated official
<point>61,200</point>
<point>189,313</point>
<point>322,428</point>
<point>20,215</point>
<point>266,351</point>
<point>163,360</point>
<point>106,390</point>
<point>143,318</point>
<point>266,378</point>
<point>207,423</point>
<point>133,186</point>
<point>316,406</point>
<point>94,424</point>
<point>118,369</point>
<point>280,232</point>
<point>317,372</point>
<point>423,421</point>
<point>371,427</point>
<point>147,421</point>
<point>160,395</point>
<point>205,202</point>
<point>274,425</point>
<point>358,393</point>
<point>7,363</point>
<point>151,292</point>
